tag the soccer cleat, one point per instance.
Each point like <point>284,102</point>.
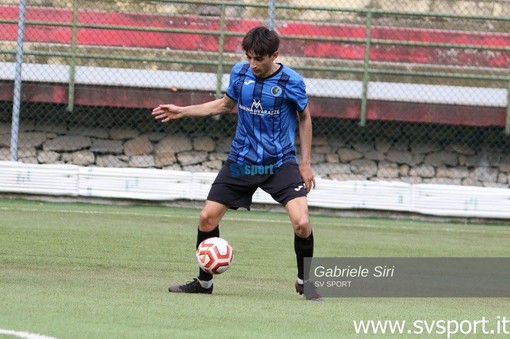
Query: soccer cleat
<point>190,287</point>
<point>313,295</point>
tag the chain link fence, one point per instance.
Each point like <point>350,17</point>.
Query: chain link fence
<point>412,91</point>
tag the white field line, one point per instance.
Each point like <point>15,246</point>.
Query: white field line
<point>26,335</point>
<point>499,230</point>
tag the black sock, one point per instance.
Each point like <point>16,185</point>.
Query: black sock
<point>201,236</point>
<point>304,249</point>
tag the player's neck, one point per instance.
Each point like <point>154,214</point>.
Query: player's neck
<point>274,68</point>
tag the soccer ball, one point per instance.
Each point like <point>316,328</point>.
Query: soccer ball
<point>215,255</point>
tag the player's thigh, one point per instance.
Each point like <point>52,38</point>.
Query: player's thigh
<point>211,214</point>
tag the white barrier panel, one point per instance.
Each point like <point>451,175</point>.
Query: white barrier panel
<point>201,183</point>
<point>134,183</point>
<point>155,184</point>
<point>462,201</point>
<point>379,195</point>
<point>38,179</point>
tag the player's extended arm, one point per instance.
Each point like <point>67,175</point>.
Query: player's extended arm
<point>169,112</point>
<point>305,139</point>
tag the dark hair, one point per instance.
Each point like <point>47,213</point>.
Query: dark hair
<point>261,41</point>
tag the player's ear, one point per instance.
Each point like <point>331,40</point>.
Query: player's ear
<point>274,55</point>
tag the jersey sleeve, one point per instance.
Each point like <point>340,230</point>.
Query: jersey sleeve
<point>232,89</point>
<point>297,94</point>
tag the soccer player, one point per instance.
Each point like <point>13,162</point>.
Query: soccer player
<point>271,102</point>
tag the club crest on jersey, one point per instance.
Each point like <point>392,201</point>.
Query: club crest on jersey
<point>276,91</point>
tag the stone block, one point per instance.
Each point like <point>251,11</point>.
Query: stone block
<point>441,158</point>
<point>123,133</point>
<point>328,169</point>
<point>110,161</point>
<point>423,171</point>
<point>388,170</point>
<point>83,158</point>
<point>400,157</point>
<point>348,155</point>
<point>218,156</point>
<point>164,159</point>
<point>93,132</point>
<point>191,157</point>
<point>142,161</point>
<point>25,152</point>
<point>173,144</point>
<point>419,148</point>
<point>452,172</point>
<point>106,146</point>
<point>471,182</point>
<point>204,143</point>
<point>461,149</point>
<point>213,164</point>
<point>138,146</point>
<point>364,166</point>
<point>48,157</point>
<point>484,174</point>
<point>67,143</point>
<point>332,158</point>
<point>375,155</point>
<point>363,146</point>
<point>31,139</point>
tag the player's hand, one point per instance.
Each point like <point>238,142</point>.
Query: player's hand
<point>166,113</point>
<point>307,175</point>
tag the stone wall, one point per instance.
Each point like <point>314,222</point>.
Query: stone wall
<point>384,157</point>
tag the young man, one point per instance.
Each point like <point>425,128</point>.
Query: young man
<point>271,102</point>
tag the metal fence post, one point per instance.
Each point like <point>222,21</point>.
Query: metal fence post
<point>221,46</point>
<point>507,124</point>
<point>18,82</point>
<point>271,14</point>
<point>366,65</point>
<point>72,66</point>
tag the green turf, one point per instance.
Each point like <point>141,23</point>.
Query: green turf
<point>91,271</point>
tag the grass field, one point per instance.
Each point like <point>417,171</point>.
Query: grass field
<point>92,271</point>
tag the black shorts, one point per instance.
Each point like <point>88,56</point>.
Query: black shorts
<point>235,184</point>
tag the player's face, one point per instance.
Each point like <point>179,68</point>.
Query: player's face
<point>261,66</point>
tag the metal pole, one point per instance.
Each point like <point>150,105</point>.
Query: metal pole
<point>271,14</point>
<point>364,95</point>
<point>72,66</point>
<point>221,46</point>
<point>17,82</point>
<point>507,124</point>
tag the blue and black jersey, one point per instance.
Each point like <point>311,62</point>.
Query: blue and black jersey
<point>267,115</point>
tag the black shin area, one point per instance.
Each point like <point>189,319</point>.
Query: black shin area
<point>304,249</point>
<point>201,236</point>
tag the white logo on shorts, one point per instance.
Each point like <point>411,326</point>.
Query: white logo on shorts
<point>297,189</point>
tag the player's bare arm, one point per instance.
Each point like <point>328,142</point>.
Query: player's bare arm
<point>305,139</point>
<point>167,112</point>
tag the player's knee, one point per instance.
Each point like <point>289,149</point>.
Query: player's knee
<point>302,227</point>
<point>208,222</point>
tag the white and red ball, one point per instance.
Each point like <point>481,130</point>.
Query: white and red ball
<point>215,255</point>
